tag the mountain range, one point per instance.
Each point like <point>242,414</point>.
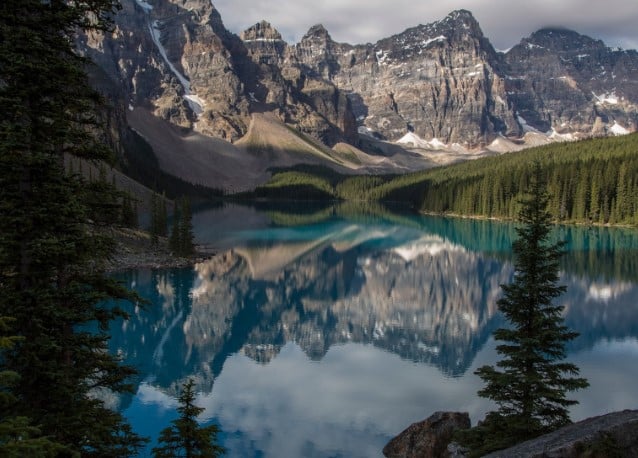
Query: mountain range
<point>221,110</point>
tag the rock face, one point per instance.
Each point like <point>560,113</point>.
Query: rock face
<point>178,59</point>
<point>614,434</point>
<point>562,81</point>
<point>439,81</point>
<point>445,80</point>
<point>428,438</point>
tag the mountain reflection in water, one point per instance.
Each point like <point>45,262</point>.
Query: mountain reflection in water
<point>327,338</point>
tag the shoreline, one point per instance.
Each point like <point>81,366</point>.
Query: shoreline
<point>134,250</point>
<point>504,219</point>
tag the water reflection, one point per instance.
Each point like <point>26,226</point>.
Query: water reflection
<point>325,339</point>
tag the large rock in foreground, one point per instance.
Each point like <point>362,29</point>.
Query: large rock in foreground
<point>614,434</point>
<point>428,438</point>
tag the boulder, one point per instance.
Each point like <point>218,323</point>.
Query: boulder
<point>428,438</point>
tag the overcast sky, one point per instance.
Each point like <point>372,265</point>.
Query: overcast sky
<point>504,22</point>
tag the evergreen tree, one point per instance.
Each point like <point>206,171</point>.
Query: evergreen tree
<point>159,218</point>
<point>174,239</point>
<point>187,247</point>
<point>530,383</point>
<point>129,213</point>
<point>185,438</point>
<point>18,437</point>
<point>162,221</point>
<point>51,282</point>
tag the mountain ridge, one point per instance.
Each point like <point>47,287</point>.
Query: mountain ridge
<point>439,84</point>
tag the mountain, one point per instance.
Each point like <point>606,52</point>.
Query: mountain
<point>560,80</point>
<point>435,93</point>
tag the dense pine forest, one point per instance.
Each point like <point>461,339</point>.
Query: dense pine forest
<point>591,181</point>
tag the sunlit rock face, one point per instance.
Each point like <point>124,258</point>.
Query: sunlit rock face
<point>440,81</point>
<point>559,80</point>
<point>177,59</point>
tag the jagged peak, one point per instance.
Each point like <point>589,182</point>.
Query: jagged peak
<point>561,39</point>
<point>317,31</point>
<point>461,15</point>
<point>458,24</point>
<point>461,22</point>
<point>263,30</point>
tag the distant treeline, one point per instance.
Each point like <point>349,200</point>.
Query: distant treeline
<point>590,181</point>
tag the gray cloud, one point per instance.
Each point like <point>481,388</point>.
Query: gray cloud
<point>504,22</point>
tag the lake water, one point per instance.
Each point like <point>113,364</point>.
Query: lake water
<point>323,332</point>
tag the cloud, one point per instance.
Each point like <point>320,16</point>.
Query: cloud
<point>503,22</point>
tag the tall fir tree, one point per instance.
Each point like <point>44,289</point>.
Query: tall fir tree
<point>174,239</point>
<point>159,218</point>
<point>18,436</point>
<point>186,237</point>
<point>530,383</point>
<point>51,281</point>
<point>185,438</point>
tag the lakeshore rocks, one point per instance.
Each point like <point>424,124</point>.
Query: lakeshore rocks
<point>611,435</point>
<point>428,438</point>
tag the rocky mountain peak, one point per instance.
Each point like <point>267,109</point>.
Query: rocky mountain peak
<point>460,22</point>
<point>558,39</point>
<point>317,33</point>
<point>441,81</point>
<point>460,16</point>
<point>262,31</point>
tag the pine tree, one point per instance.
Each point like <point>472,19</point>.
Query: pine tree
<point>162,221</point>
<point>51,282</point>
<point>129,213</point>
<point>187,247</point>
<point>174,239</point>
<point>530,383</point>
<point>185,438</point>
<point>159,218</point>
<point>18,436</point>
<point>155,217</point>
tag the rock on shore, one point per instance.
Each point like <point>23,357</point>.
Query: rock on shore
<point>611,435</point>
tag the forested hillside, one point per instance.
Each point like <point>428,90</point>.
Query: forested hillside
<point>594,181</point>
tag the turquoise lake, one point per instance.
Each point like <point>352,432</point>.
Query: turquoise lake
<point>325,331</point>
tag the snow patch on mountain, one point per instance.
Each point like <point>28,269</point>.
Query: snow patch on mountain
<point>412,139</point>
<point>144,5</point>
<point>526,127</point>
<point>611,98</point>
<point>432,40</point>
<point>617,129</point>
<point>194,102</point>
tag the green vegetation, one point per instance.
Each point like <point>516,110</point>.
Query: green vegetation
<point>185,437</point>
<point>592,181</point>
<point>159,218</point>
<point>18,436</point>
<point>128,215</point>
<point>52,288</point>
<point>181,239</point>
<point>529,385</point>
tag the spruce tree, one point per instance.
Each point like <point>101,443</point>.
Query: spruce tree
<point>529,384</point>
<point>174,239</point>
<point>185,438</point>
<point>51,281</point>
<point>187,247</point>
<point>18,436</point>
<point>129,213</point>
<point>159,219</point>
